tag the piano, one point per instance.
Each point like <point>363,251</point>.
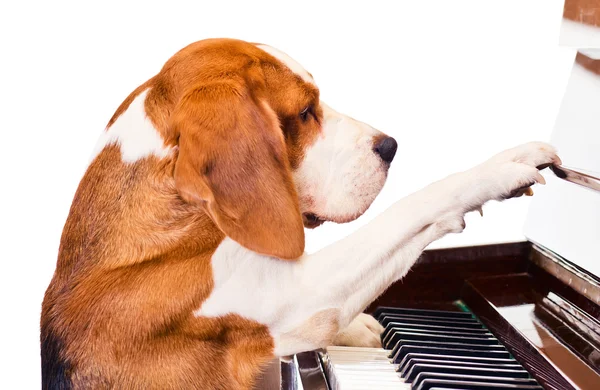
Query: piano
<point>502,316</point>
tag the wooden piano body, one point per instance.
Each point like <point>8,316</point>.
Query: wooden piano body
<point>542,308</point>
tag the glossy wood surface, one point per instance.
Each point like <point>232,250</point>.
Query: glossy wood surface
<point>439,275</point>
<point>545,312</point>
<point>514,326</point>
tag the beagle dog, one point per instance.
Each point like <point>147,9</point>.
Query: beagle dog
<point>182,264</point>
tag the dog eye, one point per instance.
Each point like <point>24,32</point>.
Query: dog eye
<point>305,113</point>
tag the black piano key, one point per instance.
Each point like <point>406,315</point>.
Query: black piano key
<point>419,368</point>
<point>498,387</point>
<point>420,312</point>
<point>491,388</point>
<point>449,346</point>
<point>445,384</point>
<point>471,378</point>
<point>394,324</point>
<point>455,363</point>
<point>452,347</point>
<point>439,327</point>
<point>436,338</point>
<point>401,350</point>
<point>464,322</point>
<point>389,330</point>
<point>456,358</point>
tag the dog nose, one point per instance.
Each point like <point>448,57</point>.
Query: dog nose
<point>386,149</point>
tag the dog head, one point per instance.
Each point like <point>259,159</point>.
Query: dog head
<point>259,150</point>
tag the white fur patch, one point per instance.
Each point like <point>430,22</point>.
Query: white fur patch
<point>274,284</point>
<point>134,133</point>
<point>288,61</point>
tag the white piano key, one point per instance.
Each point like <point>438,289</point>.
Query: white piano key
<point>351,368</point>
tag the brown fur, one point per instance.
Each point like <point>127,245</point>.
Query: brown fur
<point>583,11</point>
<point>588,63</point>
<point>134,259</point>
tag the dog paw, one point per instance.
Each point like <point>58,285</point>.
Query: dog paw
<point>511,173</point>
<point>363,331</point>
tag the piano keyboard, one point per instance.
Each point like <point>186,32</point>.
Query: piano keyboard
<point>427,350</point>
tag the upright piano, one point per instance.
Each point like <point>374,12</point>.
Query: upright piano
<point>504,316</point>
<point>522,315</point>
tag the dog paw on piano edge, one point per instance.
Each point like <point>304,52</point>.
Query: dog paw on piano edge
<point>363,331</point>
<point>512,172</point>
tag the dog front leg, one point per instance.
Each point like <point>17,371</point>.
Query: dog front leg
<point>343,278</point>
<point>364,330</point>
<point>349,274</point>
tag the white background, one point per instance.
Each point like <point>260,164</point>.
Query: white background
<point>452,81</point>
<point>576,135</point>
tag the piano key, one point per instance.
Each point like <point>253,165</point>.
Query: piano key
<point>411,336</point>
<point>418,368</point>
<point>455,358</point>
<point>372,375</point>
<point>361,359</point>
<point>455,363</point>
<point>438,329</point>
<point>387,334</point>
<point>422,312</point>
<point>444,384</point>
<point>357,350</point>
<point>425,348</point>
<point>336,348</point>
<point>471,378</point>
<point>369,383</point>
<point>435,348</point>
<point>439,346</point>
<point>473,323</point>
<point>479,386</point>
<point>352,360</point>
<point>359,354</point>
<point>465,322</point>
<point>407,325</point>
<point>361,368</point>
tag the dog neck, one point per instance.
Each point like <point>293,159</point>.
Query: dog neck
<point>124,214</point>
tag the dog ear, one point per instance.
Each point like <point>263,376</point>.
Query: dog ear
<point>233,161</point>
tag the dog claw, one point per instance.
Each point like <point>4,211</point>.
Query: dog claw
<point>540,179</point>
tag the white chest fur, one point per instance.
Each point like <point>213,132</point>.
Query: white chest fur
<point>257,287</point>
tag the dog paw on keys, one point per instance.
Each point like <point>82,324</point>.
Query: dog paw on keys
<point>363,331</point>
<point>512,172</point>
